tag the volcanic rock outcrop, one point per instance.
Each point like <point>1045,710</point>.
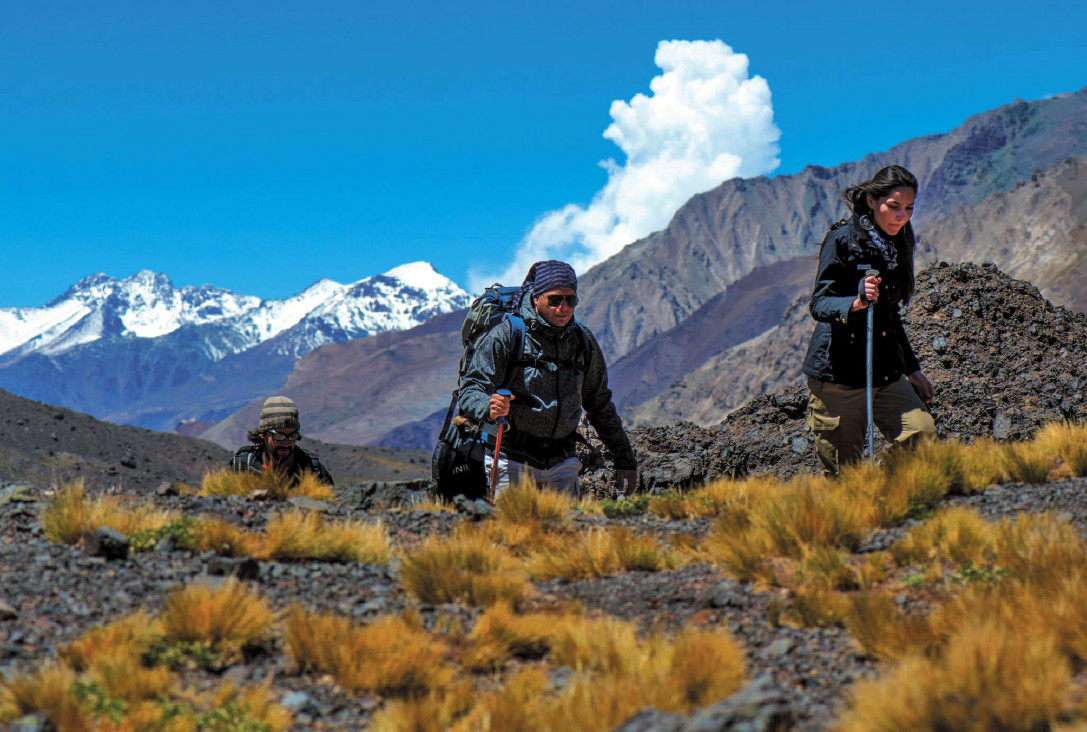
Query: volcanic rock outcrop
<point>1004,361</point>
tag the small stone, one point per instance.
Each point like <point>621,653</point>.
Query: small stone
<point>167,489</point>
<point>244,568</point>
<point>106,543</point>
<point>7,612</point>
<point>309,504</point>
<point>779,648</point>
<point>37,722</point>
<point>299,702</point>
<point>128,461</point>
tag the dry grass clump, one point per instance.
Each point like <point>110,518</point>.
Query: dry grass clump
<point>46,690</point>
<point>212,533</point>
<point>467,566</point>
<point>600,553</point>
<point>393,656</point>
<point>129,636</point>
<point>438,711</point>
<point>524,502</point>
<point>228,619</point>
<point>819,608</point>
<point>1041,550</point>
<point>956,534</point>
<point>1026,462</point>
<point>618,675</point>
<point>670,505</point>
<point>69,514</point>
<point>825,567</point>
<point>990,677</point>
<point>882,630</point>
<point>297,535</point>
<point>1067,442</point>
<point>269,483</point>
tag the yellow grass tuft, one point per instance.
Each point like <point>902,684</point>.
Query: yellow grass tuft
<point>670,505</point>
<point>124,677</point>
<point>296,535</point>
<point>524,502</point>
<point>227,482</point>
<point>129,636</point>
<point>819,608</point>
<point>991,677</point>
<point>69,514</point>
<point>808,512</point>
<point>393,656</point>
<point>228,618</point>
<point>882,630</point>
<point>743,554</point>
<point>729,498</point>
<point>437,711</point>
<point>500,635</point>
<point>618,675</point>
<point>467,566</point>
<point>435,504</point>
<point>981,465</point>
<point>46,690</point>
<point>1067,442</point>
<point>1027,462</point>
<point>309,486</point>
<point>956,534</point>
<point>826,568</point>
<point>600,553</point>
<point>1041,549</point>
<point>224,538</point>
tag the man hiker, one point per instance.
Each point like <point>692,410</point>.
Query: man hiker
<point>560,371</point>
<point>275,444</point>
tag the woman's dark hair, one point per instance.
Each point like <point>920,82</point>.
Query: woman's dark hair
<point>880,185</point>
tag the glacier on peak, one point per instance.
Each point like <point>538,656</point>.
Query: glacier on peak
<point>148,305</point>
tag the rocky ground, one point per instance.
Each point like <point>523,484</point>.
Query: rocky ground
<point>1003,359</point>
<point>1004,362</point>
<point>53,593</point>
<point>43,444</point>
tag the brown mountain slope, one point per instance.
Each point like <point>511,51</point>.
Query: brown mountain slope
<point>747,308</point>
<point>1036,230</point>
<point>45,445</point>
<point>355,392</point>
<point>719,236</point>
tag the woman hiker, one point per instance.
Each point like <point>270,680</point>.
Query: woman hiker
<point>877,236</point>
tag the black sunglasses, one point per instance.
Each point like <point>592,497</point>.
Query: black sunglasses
<point>553,301</point>
<point>284,437</point>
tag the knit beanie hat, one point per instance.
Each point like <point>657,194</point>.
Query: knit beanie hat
<point>278,413</point>
<point>548,275</point>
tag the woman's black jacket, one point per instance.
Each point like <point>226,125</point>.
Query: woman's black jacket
<point>836,352</point>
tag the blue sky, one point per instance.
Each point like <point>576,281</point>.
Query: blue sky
<point>260,146</point>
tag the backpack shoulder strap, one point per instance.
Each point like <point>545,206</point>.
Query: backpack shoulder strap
<point>517,346</point>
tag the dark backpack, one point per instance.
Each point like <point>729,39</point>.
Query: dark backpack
<point>457,463</point>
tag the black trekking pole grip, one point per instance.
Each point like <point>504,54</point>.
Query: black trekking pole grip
<point>860,287</point>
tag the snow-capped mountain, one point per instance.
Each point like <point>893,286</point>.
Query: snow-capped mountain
<point>141,351</point>
<point>147,305</point>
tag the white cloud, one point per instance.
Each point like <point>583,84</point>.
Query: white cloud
<point>704,122</point>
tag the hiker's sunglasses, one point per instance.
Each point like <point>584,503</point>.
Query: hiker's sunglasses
<point>284,437</point>
<point>553,301</point>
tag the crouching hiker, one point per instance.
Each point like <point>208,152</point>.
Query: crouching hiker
<point>275,445</point>
<point>560,371</point>
<point>859,364</point>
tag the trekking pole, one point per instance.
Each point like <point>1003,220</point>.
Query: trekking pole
<point>498,444</point>
<point>868,358</point>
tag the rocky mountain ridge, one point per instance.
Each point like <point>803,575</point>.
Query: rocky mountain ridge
<point>140,351</point>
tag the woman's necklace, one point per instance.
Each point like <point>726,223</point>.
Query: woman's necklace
<point>887,249</point>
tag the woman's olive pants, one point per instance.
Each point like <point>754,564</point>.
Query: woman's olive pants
<point>837,416</point>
